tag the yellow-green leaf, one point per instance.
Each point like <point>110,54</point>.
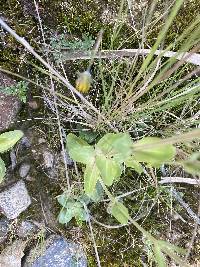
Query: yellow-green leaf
<point>119,146</point>
<point>9,139</point>
<point>159,257</point>
<point>192,167</point>
<point>91,176</point>
<point>130,162</point>
<point>109,169</point>
<point>120,212</point>
<point>2,170</point>
<point>79,150</point>
<point>154,155</point>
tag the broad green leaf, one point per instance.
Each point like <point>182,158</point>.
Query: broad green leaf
<point>118,145</point>
<point>79,150</point>
<point>159,257</point>
<point>166,244</point>
<point>73,140</point>
<point>65,216</point>
<point>81,215</point>
<point>78,212</point>
<point>2,170</point>
<point>91,176</point>
<point>70,204</point>
<point>84,199</point>
<point>130,162</point>
<point>120,212</point>
<point>154,156</point>
<point>9,139</point>
<point>63,199</point>
<point>73,209</point>
<point>98,193</point>
<point>109,169</point>
<point>192,167</point>
<point>195,156</point>
<point>74,206</point>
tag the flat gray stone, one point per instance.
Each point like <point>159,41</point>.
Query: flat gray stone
<point>59,253</point>
<point>14,200</point>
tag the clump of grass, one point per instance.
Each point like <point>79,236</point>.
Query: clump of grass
<point>134,93</point>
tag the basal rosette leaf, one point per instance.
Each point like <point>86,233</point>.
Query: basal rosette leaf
<point>91,176</point>
<point>132,163</point>
<point>119,146</point>
<point>79,150</point>
<point>154,155</point>
<point>9,139</point>
<point>65,216</point>
<point>109,169</point>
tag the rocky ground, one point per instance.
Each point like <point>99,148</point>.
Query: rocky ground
<point>29,232</point>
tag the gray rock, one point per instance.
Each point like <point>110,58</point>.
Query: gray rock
<point>11,256</point>
<point>26,229</point>
<point>24,170</point>
<point>14,200</point>
<point>48,158</point>
<point>33,104</point>
<point>9,105</point>
<point>59,253</point>
<point>25,142</point>
<point>13,158</point>
<point>4,228</point>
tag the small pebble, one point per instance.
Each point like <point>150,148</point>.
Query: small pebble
<point>41,140</point>
<point>25,142</point>
<point>26,229</point>
<point>33,104</point>
<point>12,255</point>
<point>24,170</point>
<point>48,159</point>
